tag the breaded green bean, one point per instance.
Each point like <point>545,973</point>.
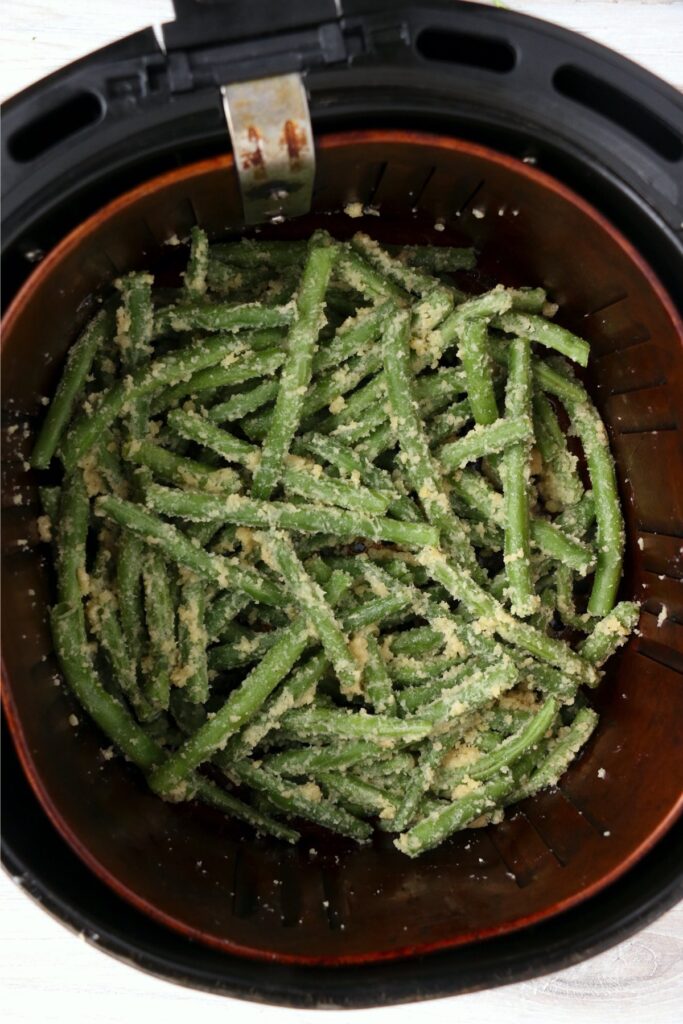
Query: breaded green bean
<point>296,372</point>
<point>79,361</point>
<point>277,514</point>
<point>515,474</point>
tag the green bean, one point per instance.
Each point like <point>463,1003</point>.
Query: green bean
<point>483,684</point>
<point>536,328</point>
<point>414,673</point>
<point>556,544</point>
<point>337,585</point>
<point>377,685</point>
<point>578,519</point>
<point>377,609</point>
<point>296,800</point>
<point>129,589</point>
<point>297,689</point>
<point>239,366</point>
<point>106,462</point>
<point>238,406</point>
<point>515,474</point>
<point>438,259</point>
<point>610,633</point>
<point>415,454</point>
<point>102,614</point>
<point>160,617</point>
<point>312,760</point>
<point>68,630</point>
<point>545,376</point>
<point>397,764</point>
<point>481,498</point>
<point>481,605</point>
<point>507,719</point>
<point>223,610</point>
<point>278,552</point>
<point>486,440</point>
<point>348,462</point>
<point>392,268</point>
<point>351,338</point>
<point>174,545</point>
<point>192,670</point>
<point>559,482</point>
<point>79,361</point>
<point>432,391</point>
<point>264,824</point>
<point>440,824</point>
<point>200,315</point>
<point>296,372</point>
<point>367,280</point>
<point>416,696</point>
<point>144,381</point>
<point>563,580</point>
<point>301,480</point>
<point>610,525</point>
<point>198,263</point>
<point>242,650</point>
<point>420,781</point>
<point>230,282</point>
<point>555,383</point>
<point>375,630</point>
<point>503,753</point>
<point>134,321</point>
<point>371,799</point>
<point>529,300</point>
<point>72,531</point>
<point>341,724</point>
<point>283,515</point>
<point>170,779</point>
<point>381,440</point>
<point>179,470</point>
<point>420,640</point>
<point>481,307</point>
<point>321,393</point>
<point>476,360</point>
<point>248,252</point>
<point>201,430</point>
<point>50,498</point>
<point>112,717</point>
<point>449,422</point>
<point>562,751</point>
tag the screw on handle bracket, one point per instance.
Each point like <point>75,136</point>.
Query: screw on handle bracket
<point>272,140</point>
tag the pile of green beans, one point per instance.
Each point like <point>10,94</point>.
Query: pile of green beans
<point>322,547</point>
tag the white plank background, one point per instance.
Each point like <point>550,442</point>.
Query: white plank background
<point>47,974</point>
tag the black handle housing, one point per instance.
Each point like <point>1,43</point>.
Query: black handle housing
<point>598,122</point>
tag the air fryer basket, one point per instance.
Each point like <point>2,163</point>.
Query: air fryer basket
<point>145,105</point>
<point>329,901</point>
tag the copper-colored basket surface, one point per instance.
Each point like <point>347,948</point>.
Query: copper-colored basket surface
<point>328,900</point>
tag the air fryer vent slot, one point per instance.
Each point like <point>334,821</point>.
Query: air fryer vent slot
<point>597,95</point>
<point>462,48</point>
<point>55,126</point>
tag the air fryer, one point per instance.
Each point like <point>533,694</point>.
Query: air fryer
<point>563,165</point>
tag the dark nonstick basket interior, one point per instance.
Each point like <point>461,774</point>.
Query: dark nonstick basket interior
<point>329,901</point>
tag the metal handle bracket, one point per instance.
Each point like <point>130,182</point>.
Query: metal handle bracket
<point>272,140</point>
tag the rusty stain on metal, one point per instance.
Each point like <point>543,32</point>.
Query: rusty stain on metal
<point>252,159</point>
<point>294,139</point>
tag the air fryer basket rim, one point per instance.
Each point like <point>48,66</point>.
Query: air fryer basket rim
<point>226,161</point>
<point>642,895</point>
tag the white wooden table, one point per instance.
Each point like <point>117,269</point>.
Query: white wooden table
<point>47,974</point>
